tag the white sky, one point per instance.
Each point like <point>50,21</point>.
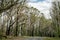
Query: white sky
<point>43,6</point>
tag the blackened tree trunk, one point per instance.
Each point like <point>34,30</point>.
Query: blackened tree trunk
<point>8,30</point>
<point>17,24</point>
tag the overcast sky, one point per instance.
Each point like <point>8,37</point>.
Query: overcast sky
<point>42,5</point>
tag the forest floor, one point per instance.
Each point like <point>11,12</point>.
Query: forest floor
<point>31,38</point>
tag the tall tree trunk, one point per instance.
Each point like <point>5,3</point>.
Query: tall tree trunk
<point>17,24</point>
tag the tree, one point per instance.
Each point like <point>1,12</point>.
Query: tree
<point>8,6</point>
<point>55,14</point>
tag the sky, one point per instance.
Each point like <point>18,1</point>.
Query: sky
<point>42,5</point>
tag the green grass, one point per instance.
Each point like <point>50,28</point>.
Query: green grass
<point>43,38</point>
<point>51,38</point>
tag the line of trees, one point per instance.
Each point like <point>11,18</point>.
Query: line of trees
<point>55,14</point>
<point>17,19</point>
